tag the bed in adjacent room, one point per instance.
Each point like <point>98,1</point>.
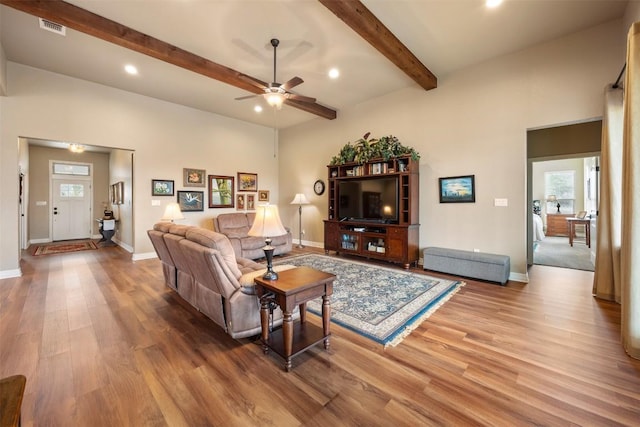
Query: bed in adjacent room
<point>538,228</point>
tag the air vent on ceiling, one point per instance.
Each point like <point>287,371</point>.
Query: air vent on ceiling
<point>53,27</point>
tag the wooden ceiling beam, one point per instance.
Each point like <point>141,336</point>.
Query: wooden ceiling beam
<point>105,29</point>
<point>362,21</point>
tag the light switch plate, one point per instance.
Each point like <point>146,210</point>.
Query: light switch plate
<point>155,203</point>
<point>501,202</point>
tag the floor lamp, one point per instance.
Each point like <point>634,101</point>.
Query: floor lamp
<point>300,200</point>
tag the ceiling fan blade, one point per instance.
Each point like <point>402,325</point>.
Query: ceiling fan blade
<point>253,81</point>
<point>292,83</point>
<point>245,97</point>
<point>313,108</point>
<point>301,98</point>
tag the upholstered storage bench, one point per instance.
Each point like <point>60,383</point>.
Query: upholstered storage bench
<point>477,265</point>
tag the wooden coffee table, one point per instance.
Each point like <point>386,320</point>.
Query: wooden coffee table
<point>293,288</point>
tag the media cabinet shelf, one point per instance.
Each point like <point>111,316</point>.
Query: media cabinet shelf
<point>395,240</point>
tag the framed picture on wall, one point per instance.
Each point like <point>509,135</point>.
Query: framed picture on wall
<point>221,192</point>
<point>263,195</point>
<point>191,201</point>
<point>457,189</point>
<point>117,193</point>
<point>194,177</point>
<point>161,187</point>
<point>240,202</point>
<point>251,202</point>
<point>247,181</point>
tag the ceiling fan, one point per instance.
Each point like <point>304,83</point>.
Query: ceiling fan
<point>277,93</point>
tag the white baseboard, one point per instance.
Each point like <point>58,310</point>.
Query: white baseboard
<point>8,274</point>
<point>145,255</point>
<point>123,245</point>
<point>38,241</point>
<point>519,277</point>
<point>308,243</point>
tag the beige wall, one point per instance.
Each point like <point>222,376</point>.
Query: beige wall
<point>121,170</point>
<point>38,173</point>
<point>475,122</point>
<point>165,137</point>
<point>631,15</point>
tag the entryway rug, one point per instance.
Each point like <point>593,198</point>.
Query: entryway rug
<point>380,303</point>
<point>59,248</point>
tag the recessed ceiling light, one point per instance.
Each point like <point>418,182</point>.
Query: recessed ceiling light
<point>257,109</point>
<point>131,69</point>
<point>334,73</point>
<point>493,3</point>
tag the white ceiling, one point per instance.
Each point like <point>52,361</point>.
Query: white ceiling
<point>446,35</point>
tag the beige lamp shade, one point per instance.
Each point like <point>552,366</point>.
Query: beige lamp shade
<point>267,222</point>
<point>300,199</point>
<point>172,212</point>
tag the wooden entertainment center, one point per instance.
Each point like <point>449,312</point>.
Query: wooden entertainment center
<point>386,232</point>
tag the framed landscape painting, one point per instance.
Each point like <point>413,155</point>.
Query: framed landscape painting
<point>221,194</point>
<point>457,189</point>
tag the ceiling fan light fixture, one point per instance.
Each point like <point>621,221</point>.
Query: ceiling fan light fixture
<point>274,99</point>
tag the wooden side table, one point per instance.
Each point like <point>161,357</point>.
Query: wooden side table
<point>293,288</point>
<point>11,393</point>
<point>572,229</point>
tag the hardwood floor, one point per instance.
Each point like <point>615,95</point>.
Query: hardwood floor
<point>103,342</point>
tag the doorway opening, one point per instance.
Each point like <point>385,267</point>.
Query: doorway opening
<point>564,191</point>
<point>71,198</point>
<point>558,156</point>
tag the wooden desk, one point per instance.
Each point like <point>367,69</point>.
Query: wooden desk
<point>293,288</point>
<point>571,222</point>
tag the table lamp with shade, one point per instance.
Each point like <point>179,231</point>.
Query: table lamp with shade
<point>172,212</point>
<point>300,200</point>
<point>552,198</point>
<point>267,224</point>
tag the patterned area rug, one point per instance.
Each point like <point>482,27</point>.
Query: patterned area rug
<point>59,248</point>
<point>380,303</point>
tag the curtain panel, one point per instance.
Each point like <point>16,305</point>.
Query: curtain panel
<point>630,250</point>
<point>606,279</point>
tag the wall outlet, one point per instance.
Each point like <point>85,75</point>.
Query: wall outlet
<point>476,250</point>
<point>155,203</point>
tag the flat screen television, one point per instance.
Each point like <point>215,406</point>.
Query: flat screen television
<point>369,199</point>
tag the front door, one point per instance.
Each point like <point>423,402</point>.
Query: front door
<point>71,204</point>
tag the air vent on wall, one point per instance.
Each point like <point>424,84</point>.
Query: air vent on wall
<point>53,27</point>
